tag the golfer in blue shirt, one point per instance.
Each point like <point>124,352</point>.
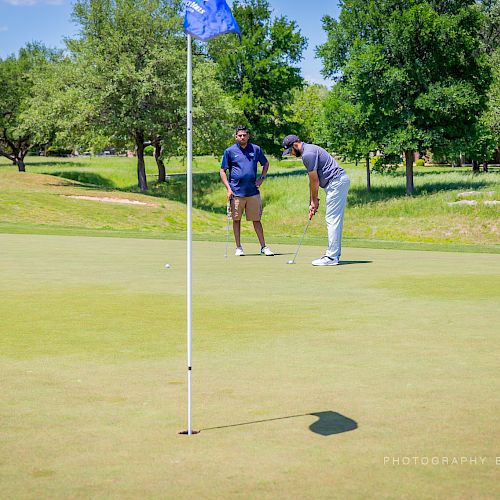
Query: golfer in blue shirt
<point>238,172</point>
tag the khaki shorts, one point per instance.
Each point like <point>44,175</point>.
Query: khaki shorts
<point>251,205</point>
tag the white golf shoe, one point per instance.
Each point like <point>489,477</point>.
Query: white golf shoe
<point>266,251</point>
<point>239,252</point>
<point>325,261</point>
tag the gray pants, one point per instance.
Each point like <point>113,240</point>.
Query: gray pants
<point>336,197</point>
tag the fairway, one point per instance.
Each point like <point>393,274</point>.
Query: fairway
<point>378,378</point>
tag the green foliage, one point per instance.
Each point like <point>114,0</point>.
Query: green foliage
<point>17,78</point>
<point>261,72</point>
<point>149,150</point>
<point>346,128</point>
<point>420,162</point>
<point>58,151</point>
<point>491,117</point>
<point>376,163</point>
<point>132,62</point>
<point>307,113</point>
<point>384,164</point>
<point>415,69</point>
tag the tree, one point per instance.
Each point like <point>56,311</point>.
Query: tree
<point>306,111</point>
<point>260,73</point>
<point>490,30</point>
<point>492,114</point>
<point>17,77</point>
<point>59,112</point>
<point>415,67</point>
<point>213,113</point>
<point>131,55</point>
<point>132,63</point>
<point>347,129</point>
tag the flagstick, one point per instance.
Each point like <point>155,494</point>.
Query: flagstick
<point>189,224</point>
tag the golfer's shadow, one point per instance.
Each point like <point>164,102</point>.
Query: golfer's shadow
<point>260,255</point>
<point>328,423</point>
<point>347,262</point>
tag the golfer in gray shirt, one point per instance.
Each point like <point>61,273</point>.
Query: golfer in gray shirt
<point>323,172</point>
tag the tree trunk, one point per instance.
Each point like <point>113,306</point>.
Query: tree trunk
<point>162,174</point>
<point>485,166</point>
<point>368,183</point>
<point>475,166</point>
<point>409,157</point>
<point>141,166</point>
<point>20,165</point>
<point>20,159</point>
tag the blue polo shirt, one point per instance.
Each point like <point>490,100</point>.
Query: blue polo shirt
<point>242,166</point>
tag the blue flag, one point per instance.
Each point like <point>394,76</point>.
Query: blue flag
<point>206,19</point>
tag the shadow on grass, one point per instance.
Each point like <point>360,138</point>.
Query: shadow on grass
<point>328,423</point>
<point>349,262</point>
<point>203,184</point>
<point>174,189</point>
<point>95,180</point>
<point>61,163</point>
<point>359,196</point>
<point>206,183</point>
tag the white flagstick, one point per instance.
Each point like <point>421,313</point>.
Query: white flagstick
<point>189,224</point>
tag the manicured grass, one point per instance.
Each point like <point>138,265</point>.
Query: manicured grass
<point>92,356</point>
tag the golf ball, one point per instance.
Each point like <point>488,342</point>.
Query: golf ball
<point>167,266</point>
<point>290,262</point>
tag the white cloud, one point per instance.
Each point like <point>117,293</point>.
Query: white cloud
<point>22,3</point>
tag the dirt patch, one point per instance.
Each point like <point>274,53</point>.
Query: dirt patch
<point>106,199</point>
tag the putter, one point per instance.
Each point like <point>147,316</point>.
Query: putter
<point>301,239</point>
<point>228,212</point>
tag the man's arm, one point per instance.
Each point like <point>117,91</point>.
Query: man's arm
<point>224,180</point>
<point>260,180</point>
<point>313,192</point>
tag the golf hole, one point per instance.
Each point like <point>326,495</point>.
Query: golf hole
<point>187,434</point>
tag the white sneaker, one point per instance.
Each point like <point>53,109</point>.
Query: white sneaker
<point>325,261</point>
<point>266,251</point>
<point>239,252</point>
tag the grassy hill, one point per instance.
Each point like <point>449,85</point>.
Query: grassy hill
<point>61,196</point>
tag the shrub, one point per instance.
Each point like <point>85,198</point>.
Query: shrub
<point>149,151</point>
<point>420,162</point>
<point>384,164</point>
<point>376,163</point>
<point>58,151</point>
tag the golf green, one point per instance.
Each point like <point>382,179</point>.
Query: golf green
<point>374,379</point>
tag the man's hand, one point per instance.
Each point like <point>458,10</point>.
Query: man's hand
<point>259,182</point>
<point>313,207</point>
<point>230,194</point>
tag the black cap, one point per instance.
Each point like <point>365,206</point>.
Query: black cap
<point>288,143</point>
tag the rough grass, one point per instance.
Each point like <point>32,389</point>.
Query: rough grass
<point>92,356</point>
<point>386,216</point>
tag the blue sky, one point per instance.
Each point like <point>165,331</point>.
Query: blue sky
<point>49,21</point>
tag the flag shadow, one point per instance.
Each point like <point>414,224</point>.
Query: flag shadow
<point>328,423</point>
